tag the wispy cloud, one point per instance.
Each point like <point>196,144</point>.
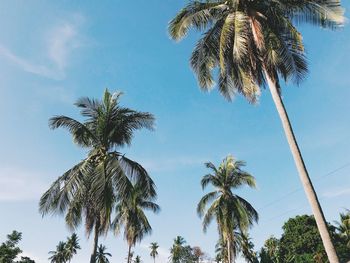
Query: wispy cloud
<point>60,41</point>
<point>337,192</point>
<point>28,66</point>
<point>20,185</point>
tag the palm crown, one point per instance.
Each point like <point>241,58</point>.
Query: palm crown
<point>233,213</point>
<point>247,39</point>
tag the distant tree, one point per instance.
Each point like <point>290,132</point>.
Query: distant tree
<point>233,214</point>
<point>343,227</point>
<point>270,252</point>
<point>176,249</point>
<point>301,243</point>
<point>137,259</point>
<point>26,260</point>
<point>247,248</point>
<point>9,249</point>
<point>198,254</point>
<point>60,254</point>
<point>102,255</point>
<point>72,245</point>
<point>154,252</point>
<point>130,214</point>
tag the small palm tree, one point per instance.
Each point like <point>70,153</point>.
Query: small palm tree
<point>154,250</point>
<point>137,259</point>
<point>102,255</point>
<point>60,254</point>
<point>232,212</point>
<point>343,227</point>
<point>90,189</point>
<point>72,246</point>
<point>130,214</point>
<point>247,248</point>
<point>254,43</point>
<point>176,249</point>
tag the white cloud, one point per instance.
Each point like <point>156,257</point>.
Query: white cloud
<point>60,42</point>
<point>20,185</point>
<point>337,192</point>
<point>27,65</point>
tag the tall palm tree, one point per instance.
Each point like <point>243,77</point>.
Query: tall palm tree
<point>343,227</point>
<point>130,214</point>
<point>232,213</point>
<point>176,249</point>
<point>102,255</point>
<point>89,189</point>
<point>154,250</point>
<point>72,246</point>
<point>60,254</point>
<point>254,43</point>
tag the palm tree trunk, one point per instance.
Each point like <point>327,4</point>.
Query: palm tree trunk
<point>304,176</point>
<point>229,256</point>
<point>129,253</point>
<point>94,249</point>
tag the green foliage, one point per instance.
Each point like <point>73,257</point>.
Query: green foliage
<point>233,214</point>
<point>65,250</point>
<point>9,249</point>
<point>182,253</point>
<point>302,243</point>
<point>247,40</point>
<point>102,255</point>
<point>154,250</point>
<point>90,190</point>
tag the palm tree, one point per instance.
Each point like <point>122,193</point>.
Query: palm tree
<point>60,254</point>
<point>221,251</point>
<point>102,255</point>
<point>254,43</point>
<point>247,248</point>
<point>154,253</point>
<point>89,189</point>
<point>343,227</point>
<point>130,214</point>
<point>176,249</point>
<point>72,246</point>
<point>232,213</point>
<point>137,259</point>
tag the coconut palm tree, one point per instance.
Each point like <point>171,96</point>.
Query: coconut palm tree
<point>72,246</point>
<point>102,255</point>
<point>221,251</point>
<point>247,248</point>
<point>254,43</point>
<point>176,249</point>
<point>343,227</point>
<point>137,259</point>
<point>130,214</point>
<point>89,189</point>
<point>154,253</point>
<point>232,213</point>
<point>60,254</point>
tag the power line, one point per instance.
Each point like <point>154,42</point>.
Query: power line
<point>300,188</point>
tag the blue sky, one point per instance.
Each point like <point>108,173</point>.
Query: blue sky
<point>52,53</point>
